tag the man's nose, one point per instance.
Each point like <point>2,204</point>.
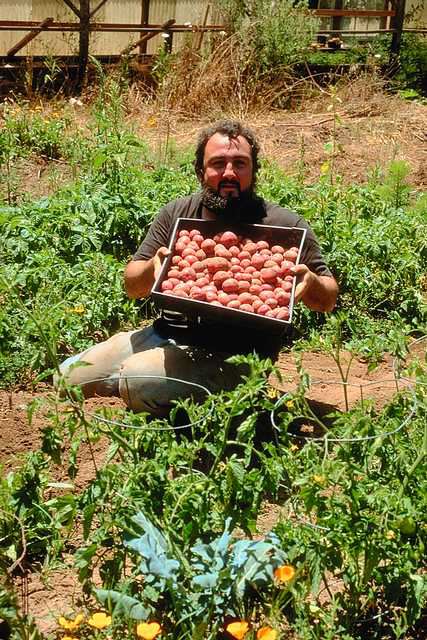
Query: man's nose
<point>229,170</point>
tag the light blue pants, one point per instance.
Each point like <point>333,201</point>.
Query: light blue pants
<point>149,372</point>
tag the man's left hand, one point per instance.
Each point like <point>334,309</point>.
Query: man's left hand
<point>318,293</point>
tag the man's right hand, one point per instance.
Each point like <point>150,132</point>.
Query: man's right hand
<point>140,275</point>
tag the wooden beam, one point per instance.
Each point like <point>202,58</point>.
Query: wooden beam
<point>83,42</point>
<point>43,26</point>
<point>352,13</point>
<point>164,27</point>
<point>117,27</point>
<point>71,6</point>
<point>101,4</point>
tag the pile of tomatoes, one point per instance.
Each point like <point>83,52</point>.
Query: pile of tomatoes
<point>232,271</point>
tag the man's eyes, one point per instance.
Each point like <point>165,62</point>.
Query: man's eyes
<point>237,164</point>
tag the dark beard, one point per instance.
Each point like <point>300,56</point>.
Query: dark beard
<point>246,207</point>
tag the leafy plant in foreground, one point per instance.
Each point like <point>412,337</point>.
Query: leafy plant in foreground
<point>195,590</point>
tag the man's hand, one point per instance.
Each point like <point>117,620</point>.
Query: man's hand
<point>318,293</point>
<point>140,275</point>
<point>159,256</point>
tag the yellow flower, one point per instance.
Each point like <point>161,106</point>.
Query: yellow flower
<point>78,309</point>
<point>71,624</point>
<point>148,630</point>
<point>68,637</point>
<point>237,629</point>
<point>152,121</point>
<point>99,620</point>
<point>390,535</point>
<point>319,479</point>
<point>290,404</point>
<point>284,573</point>
<point>272,393</point>
<point>266,633</point>
<point>293,447</point>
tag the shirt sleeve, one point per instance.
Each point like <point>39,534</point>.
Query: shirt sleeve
<point>158,235</point>
<point>311,254</point>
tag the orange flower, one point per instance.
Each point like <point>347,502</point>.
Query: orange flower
<point>99,620</point>
<point>148,630</point>
<point>237,629</point>
<point>71,624</point>
<point>284,573</point>
<point>266,633</point>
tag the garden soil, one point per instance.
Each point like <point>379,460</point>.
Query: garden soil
<point>46,596</point>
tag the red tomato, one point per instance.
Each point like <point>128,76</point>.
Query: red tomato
<point>183,232</point>
<point>234,250</point>
<point>183,264</point>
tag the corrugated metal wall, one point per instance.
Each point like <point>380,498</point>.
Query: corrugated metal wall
<point>119,11</point>
<point>129,11</point>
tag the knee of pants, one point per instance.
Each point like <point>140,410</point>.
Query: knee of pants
<point>145,385</point>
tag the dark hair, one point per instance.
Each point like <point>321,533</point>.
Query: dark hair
<point>232,129</point>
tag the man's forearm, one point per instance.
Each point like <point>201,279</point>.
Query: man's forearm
<point>139,278</point>
<point>322,294</point>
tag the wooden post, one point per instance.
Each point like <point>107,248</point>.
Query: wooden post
<point>83,42</point>
<point>336,20</point>
<point>30,36</point>
<point>199,39</point>
<point>397,24</point>
<point>145,12</point>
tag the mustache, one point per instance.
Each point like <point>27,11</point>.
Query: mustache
<point>229,183</point>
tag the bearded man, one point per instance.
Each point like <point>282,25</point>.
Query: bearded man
<point>150,368</point>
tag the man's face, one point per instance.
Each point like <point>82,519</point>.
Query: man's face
<point>228,166</point>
